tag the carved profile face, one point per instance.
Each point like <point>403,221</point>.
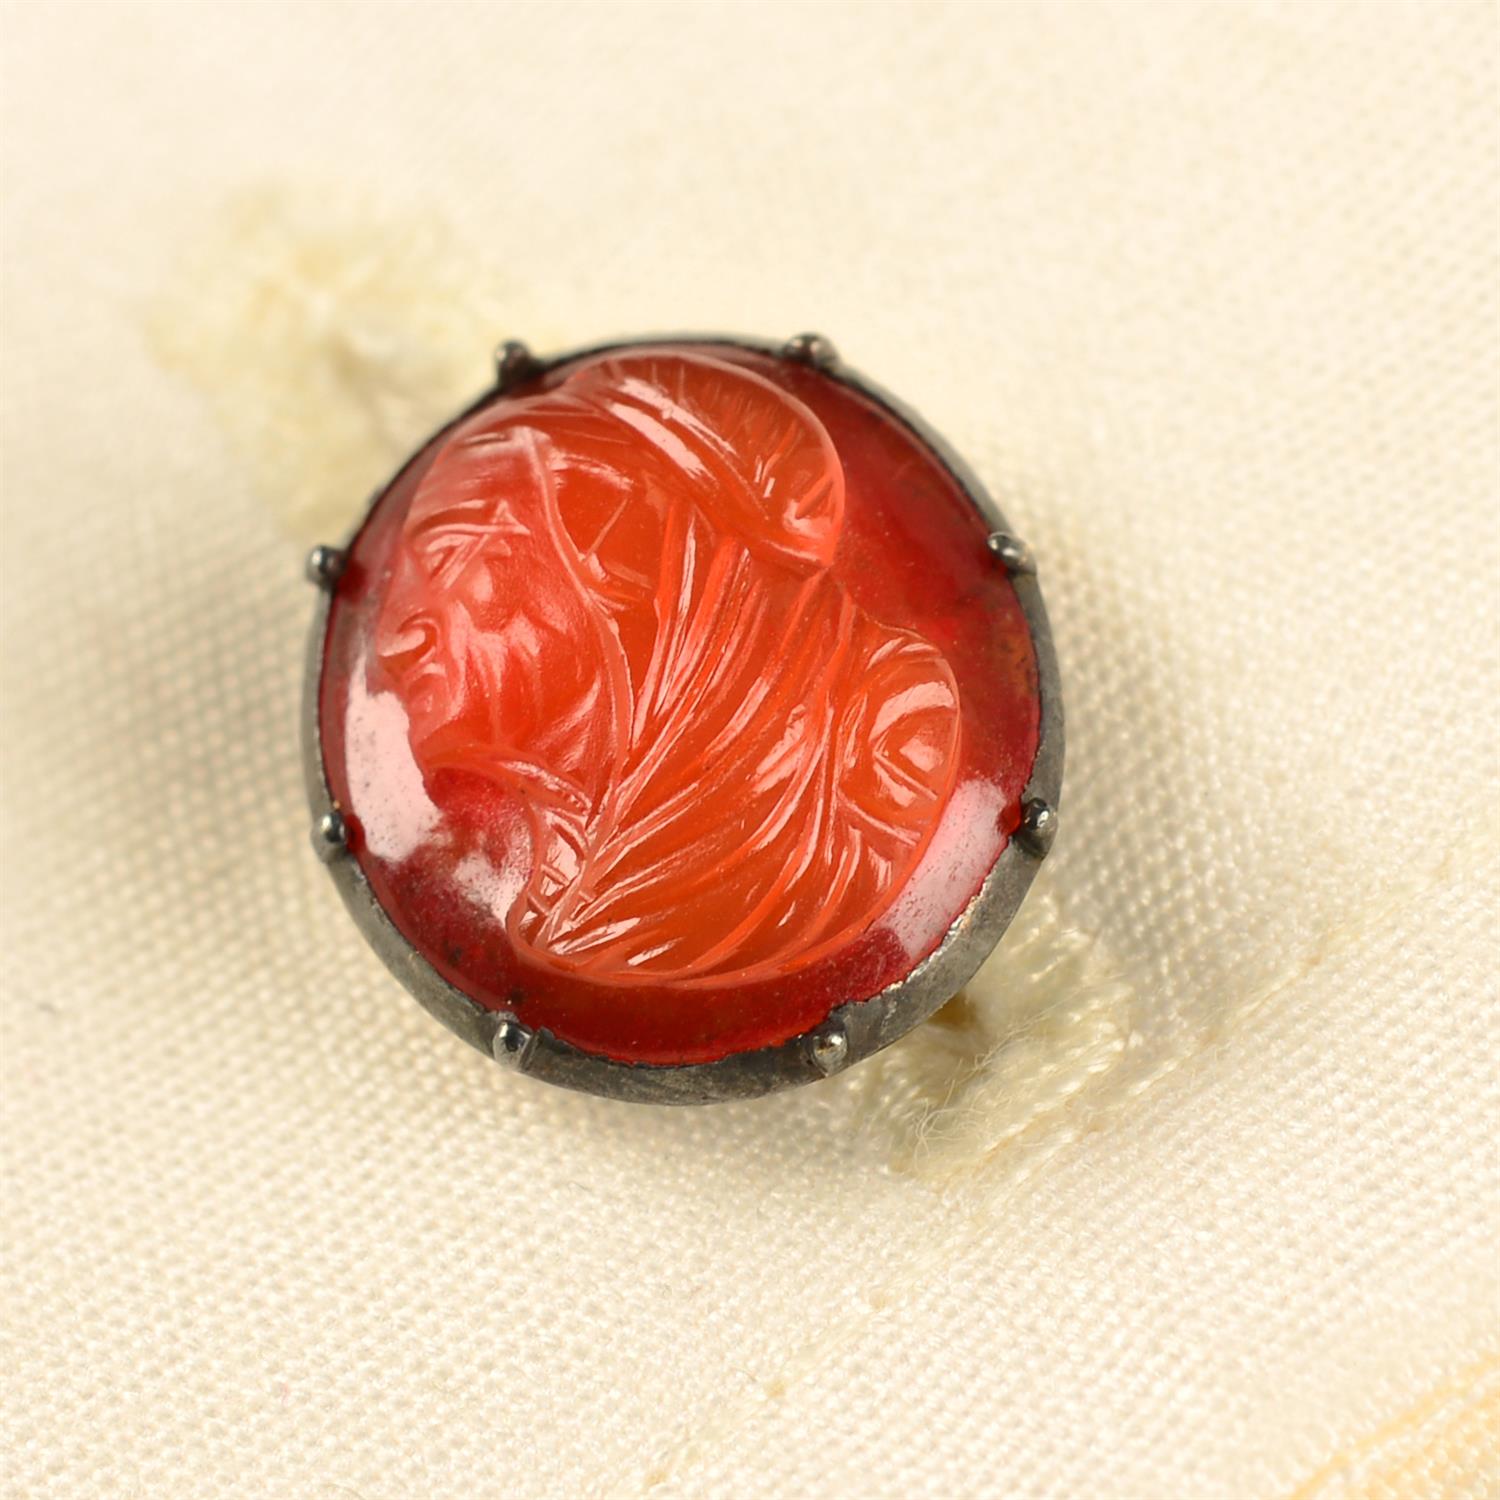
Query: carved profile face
<point>493,649</point>
<point>616,599</point>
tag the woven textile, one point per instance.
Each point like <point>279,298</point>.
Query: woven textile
<point>1195,1192</point>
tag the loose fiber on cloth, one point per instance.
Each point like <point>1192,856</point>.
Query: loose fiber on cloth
<point>1195,1191</point>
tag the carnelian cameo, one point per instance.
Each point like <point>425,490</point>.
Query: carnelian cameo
<point>673,699</point>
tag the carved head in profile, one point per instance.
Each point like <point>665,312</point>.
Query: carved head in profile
<point>617,600</point>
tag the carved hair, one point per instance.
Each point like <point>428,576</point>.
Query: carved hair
<point>617,599</point>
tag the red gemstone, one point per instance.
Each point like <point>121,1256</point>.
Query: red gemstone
<point>673,700</point>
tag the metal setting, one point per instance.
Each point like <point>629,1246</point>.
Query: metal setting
<point>514,363</point>
<point>828,1048</point>
<point>330,837</point>
<point>1012,552</point>
<point>1038,827</point>
<point>512,1042</point>
<point>325,566</point>
<point>810,349</point>
<point>852,1031</point>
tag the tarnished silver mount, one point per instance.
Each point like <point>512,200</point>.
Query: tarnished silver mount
<point>515,364</point>
<point>325,566</point>
<point>852,1031</point>
<point>811,349</point>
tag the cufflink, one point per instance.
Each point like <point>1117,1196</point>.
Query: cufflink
<point>682,721</point>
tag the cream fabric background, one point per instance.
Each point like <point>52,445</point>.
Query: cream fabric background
<point>1197,1193</point>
